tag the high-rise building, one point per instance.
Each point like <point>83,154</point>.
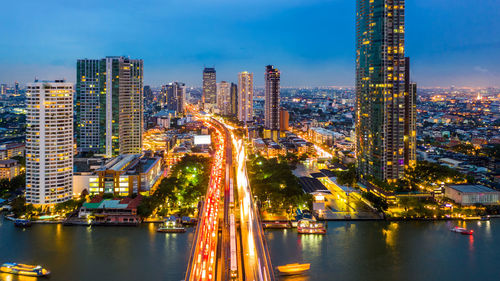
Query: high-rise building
<point>224,98</point>
<point>209,97</point>
<point>109,105</point>
<point>49,142</point>
<point>272,101</point>
<point>16,88</point>
<point>175,93</point>
<point>148,93</point>
<point>410,129</point>
<point>234,99</point>
<point>284,120</point>
<point>245,97</point>
<point>380,89</point>
<point>3,89</point>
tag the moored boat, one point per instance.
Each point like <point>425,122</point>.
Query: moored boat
<point>22,223</point>
<point>309,226</point>
<point>24,269</point>
<point>462,230</point>
<point>170,226</point>
<point>293,268</point>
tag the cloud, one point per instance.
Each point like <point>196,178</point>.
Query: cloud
<point>481,69</point>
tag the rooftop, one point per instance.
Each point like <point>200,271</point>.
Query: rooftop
<point>311,185</point>
<point>471,188</point>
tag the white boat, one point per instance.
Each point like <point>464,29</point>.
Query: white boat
<point>462,230</point>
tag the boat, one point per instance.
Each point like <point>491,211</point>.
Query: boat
<point>24,269</point>
<point>309,226</point>
<point>294,268</point>
<point>22,223</point>
<point>462,230</point>
<point>276,224</point>
<point>171,226</point>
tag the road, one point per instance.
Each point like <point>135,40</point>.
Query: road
<point>222,250</point>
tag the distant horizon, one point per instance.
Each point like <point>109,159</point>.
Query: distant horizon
<point>352,87</point>
<point>449,42</point>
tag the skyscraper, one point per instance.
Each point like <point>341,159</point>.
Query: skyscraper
<point>410,129</point>
<point>16,88</point>
<point>284,120</point>
<point>209,97</point>
<point>175,93</point>
<point>234,99</point>
<point>272,101</point>
<point>49,142</point>
<point>109,105</point>
<point>380,89</point>
<point>224,98</point>
<point>245,97</point>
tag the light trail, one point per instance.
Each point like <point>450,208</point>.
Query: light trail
<point>205,247</point>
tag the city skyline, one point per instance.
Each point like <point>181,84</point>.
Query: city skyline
<point>316,51</point>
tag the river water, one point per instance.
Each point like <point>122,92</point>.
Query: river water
<point>350,251</point>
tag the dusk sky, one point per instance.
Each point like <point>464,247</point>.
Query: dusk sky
<point>450,42</point>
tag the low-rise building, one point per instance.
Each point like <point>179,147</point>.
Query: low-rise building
<point>10,150</point>
<point>123,175</point>
<point>468,194</point>
<point>9,169</point>
<point>111,211</point>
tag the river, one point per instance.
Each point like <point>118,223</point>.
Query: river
<point>358,251</point>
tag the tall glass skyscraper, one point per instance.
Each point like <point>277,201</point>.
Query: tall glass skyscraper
<point>381,89</point>
<point>272,101</point>
<point>209,97</point>
<point>175,94</point>
<point>109,105</point>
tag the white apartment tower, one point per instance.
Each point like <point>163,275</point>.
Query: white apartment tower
<point>49,142</point>
<point>245,97</point>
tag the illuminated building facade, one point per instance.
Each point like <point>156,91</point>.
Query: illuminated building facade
<point>381,89</point>
<point>209,97</point>
<point>234,99</point>
<point>49,142</point>
<point>224,98</point>
<point>175,94</point>
<point>272,102</point>
<point>245,97</point>
<point>109,105</point>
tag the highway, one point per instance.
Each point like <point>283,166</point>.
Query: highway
<point>229,241</point>
<point>202,263</point>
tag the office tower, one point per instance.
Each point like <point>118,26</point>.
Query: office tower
<point>209,97</point>
<point>148,93</point>
<point>245,97</point>
<point>410,124</point>
<point>380,89</point>
<point>109,105</point>
<point>3,89</point>
<point>175,93</point>
<point>234,99</point>
<point>49,142</point>
<point>224,98</point>
<point>272,101</point>
<point>284,119</point>
<point>16,88</point>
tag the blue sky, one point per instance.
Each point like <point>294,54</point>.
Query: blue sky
<point>450,42</point>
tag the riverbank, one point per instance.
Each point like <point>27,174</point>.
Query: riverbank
<point>351,251</point>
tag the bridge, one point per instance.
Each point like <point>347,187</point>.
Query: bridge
<point>229,241</point>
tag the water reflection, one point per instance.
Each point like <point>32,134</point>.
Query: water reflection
<point>390,233</point>
<point>295,278</point>
<point>11,277</point>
